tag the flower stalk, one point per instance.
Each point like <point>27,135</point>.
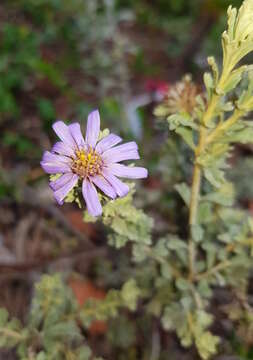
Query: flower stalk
<point>195,192</point>
<point>204,139</point>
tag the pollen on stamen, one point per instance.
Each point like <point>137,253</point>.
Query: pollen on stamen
<point>87,163</point>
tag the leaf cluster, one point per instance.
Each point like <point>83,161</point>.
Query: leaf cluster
<point>52,330</point>
<point>127,298</point>
<point>126,221</point>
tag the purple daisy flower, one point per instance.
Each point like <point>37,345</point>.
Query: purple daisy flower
<point>95,163</point>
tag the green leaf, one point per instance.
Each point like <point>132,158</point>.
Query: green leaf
<point>127,222</point>
<point>108,308</point>
<point>184,191</point>
<point>215,70</point>
<point>225,195</point>
<point>161,111</point>
<point>161,247</point>
<point>130,294</point>
<point>197,233</point>
<point>209,83</point>
<point>187,135</point>
<point>181,120</point>
<point>65,330</point>
<point>101,309</point>
<point>204,289</point>
<point>233,80</point>
<point>166,271</point>
<point>244,136</point>
<point>183,284</point>
<point>207,345</point>
<point>174,243</point>
<point>205,213</point>
<point>10,331</point>
<point>215,176</point>
<point>204,319</point>
<point>139,253</point>
<point>173,317</point>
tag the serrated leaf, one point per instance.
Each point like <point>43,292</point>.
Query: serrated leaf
<point>181,120</point>
<point>207,345</point>
<point>127,222</point>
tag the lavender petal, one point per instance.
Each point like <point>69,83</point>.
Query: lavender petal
<point>63,132</point>
<point>120,188</point>
<point>49,157</point>
<point>121,153</point>
<point>91,198</point>
<point>61,181</point>
<point>63,149</point>
<point>62,192</point>
<point>128,171</point>
<point>93,128</point>
<point>104,185</point>
<point>55,164</point>
<point>108,142</point>
<point>52,168</point>
<point>75,130</point>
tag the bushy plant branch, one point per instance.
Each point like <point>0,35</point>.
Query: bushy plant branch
<point>217,122</point>
<point>219,90</point>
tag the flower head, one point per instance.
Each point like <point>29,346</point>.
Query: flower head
<point>183,97</point>
<point>95,163</point>
<point>180,97</point>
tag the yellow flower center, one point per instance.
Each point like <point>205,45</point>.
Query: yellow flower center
<point>87,163</point>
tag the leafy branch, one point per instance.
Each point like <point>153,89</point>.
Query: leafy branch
<point>217,88</point>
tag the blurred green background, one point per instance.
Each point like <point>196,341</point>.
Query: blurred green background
<point>59,59</point>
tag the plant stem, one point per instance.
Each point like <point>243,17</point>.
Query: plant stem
<point>224,126</point>
<point>196,181</point>
<point>197,172</point>
<point>214,270</point>
<point>209,111</point>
